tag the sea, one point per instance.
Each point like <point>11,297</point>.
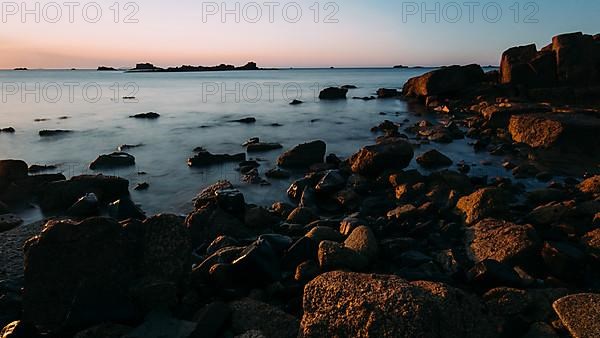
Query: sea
<point>198,110</point>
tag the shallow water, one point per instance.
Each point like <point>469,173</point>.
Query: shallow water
<point>195,111</point>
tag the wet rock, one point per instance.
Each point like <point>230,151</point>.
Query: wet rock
<point>296,102</point>
<point>114,160</point>
<point>579,314</point>
<point>262,147</point>
<point>63,194</point>
<point>351,304</point>
<point>303,156</point>
<point>77,274</point>
<point>278,174</point>
<point>86,206</point>
<point>444,81</point>
<point>50,133</point>
<point>124,208</point>
<point>384,93</point>
<point>563,260</point>
<point>12,170</point>
<point>333,93</point>
<point>388,127</point>
<point>205,159</point>
<point>9,221</point>
<point>333,255</point>
<point>374,160</point>
<point>434,159</point>
<point>148,116</point>
<point>363,241</point>
<point>9,130</point>
<point>502,241</point>
<point>490,273</point>
<point>574,132</point>
<point>482,204</point>
<point>125,147</point>
<point>247,314</point>
<point>333,181</point>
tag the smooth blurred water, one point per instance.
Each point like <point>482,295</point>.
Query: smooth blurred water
<point>195,111</point>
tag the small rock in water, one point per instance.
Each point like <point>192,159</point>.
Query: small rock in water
<point>348,87</point>
<point>142,186</point>
<point>296,102</point>
<point>384,93</point>
<point>276,173</point>
<point>57,132</point>
<point>434,159</point>
<point>86,206</point>
<point>304,155</point>
<point>262,147</point>
<point>148,116</point>
<point>204,158</point>
<point>250,141</point>
<point>125,147</point>
<point>246,120</point>
<point>333,93</point>
<point>9,130</point>
<point>114,160</point>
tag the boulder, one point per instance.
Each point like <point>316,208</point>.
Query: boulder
<point>577,58</point>
<point>498,115</point>
<point>373,160</point>
<point>579,314</point>
<point>210,222</point>
<point>483,203</point>
<point>562,132</point>
<point>50,133</point>
<point>515,67</point>
<point>358,305</point>
<point>590,186</point>
<point>78,274</point>
<point>434,159</point>
<point>363,241</point>
<point>248,314</point>
<point>333,255</point>
<point>60,195</point>
<point>114,160</point>
<point>445,81</point>
<point>502,241</point>
<point>333,93</point>
<point>304,155</point>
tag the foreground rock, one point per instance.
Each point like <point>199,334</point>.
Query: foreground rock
<point>248,315</point>
<point>303,156</point>
<point>580,314</point>
<point>357,305</point>
<point>484,203</point>
<point>61,195</point>
<point>445,81</point>
<point>394,154</point>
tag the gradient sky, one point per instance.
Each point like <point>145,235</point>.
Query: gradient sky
<point>369,33</point>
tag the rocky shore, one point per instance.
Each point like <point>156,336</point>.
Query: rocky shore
<point>363,247</point>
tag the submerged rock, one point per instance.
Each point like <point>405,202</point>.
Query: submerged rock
<point>359,305</point>
<point>303,156</point>
<point>58,132</point>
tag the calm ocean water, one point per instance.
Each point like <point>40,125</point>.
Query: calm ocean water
<point>196,110</point>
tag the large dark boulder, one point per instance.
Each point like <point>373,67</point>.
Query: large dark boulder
<point>78,274</point>
<point>446,81</point>
<point>11,170</point>
<point>515,67</point>
<point>333,93</point>
<point>373,160</point>
<point>577,58</point>
<point>304,155</point>
<point>61,195</point>
<point>358,305</point>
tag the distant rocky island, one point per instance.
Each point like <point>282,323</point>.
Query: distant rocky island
<point>21,68</point>
<point>148,67</point>
<point>105,69</point>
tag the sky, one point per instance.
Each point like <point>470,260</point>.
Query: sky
<point>300,33</point>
